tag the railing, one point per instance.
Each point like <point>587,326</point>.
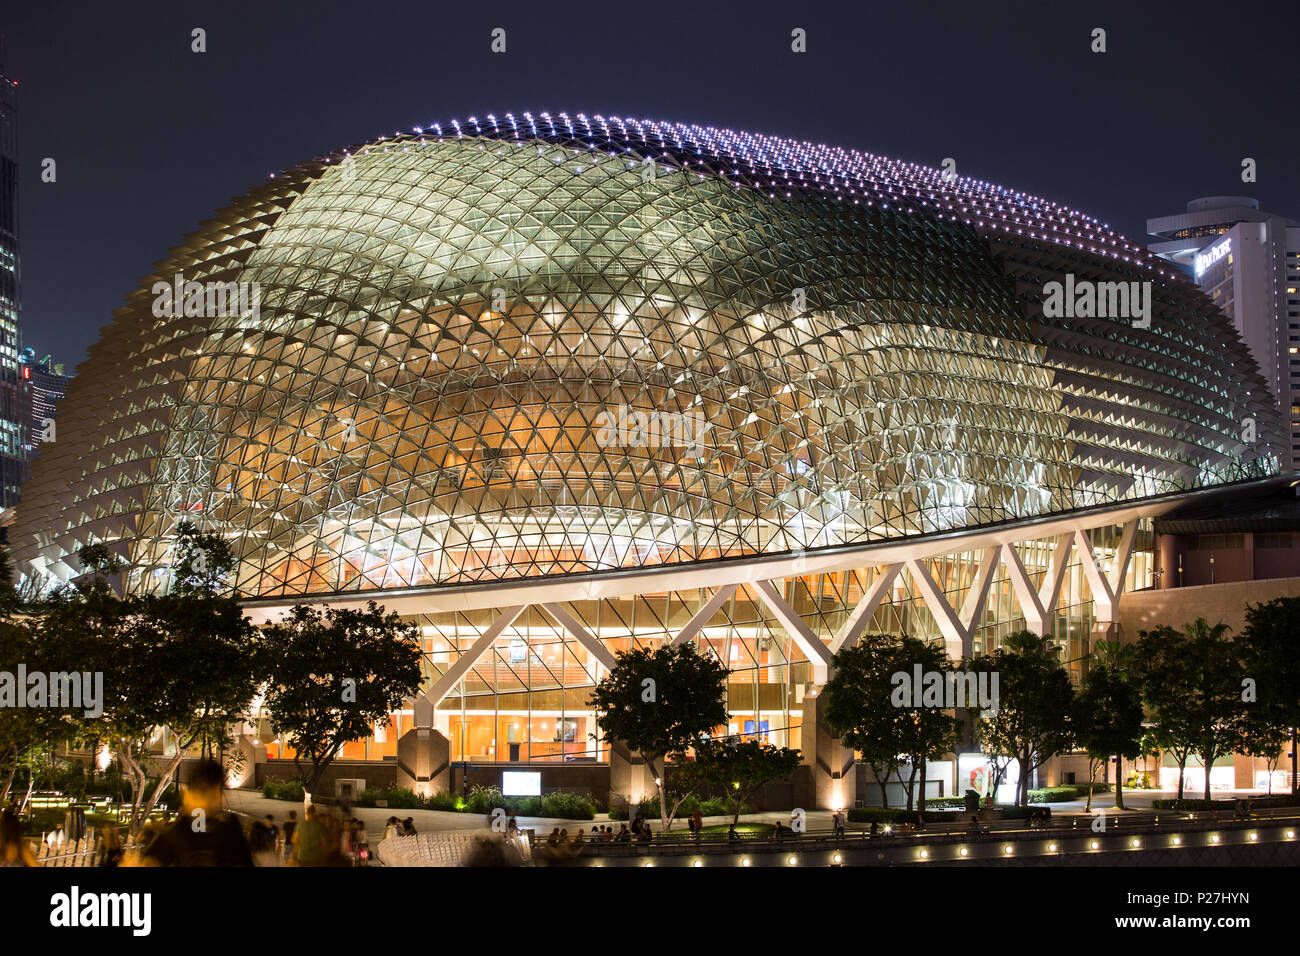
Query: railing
<point>1133,823</point>
<point>54,850</point>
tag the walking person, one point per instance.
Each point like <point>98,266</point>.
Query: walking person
<point>311,841</point>
<point>361,843</point>
<point>286,834</point>
<point>14,850</point>
<point>219,842</point>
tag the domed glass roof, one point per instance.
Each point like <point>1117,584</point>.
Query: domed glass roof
<point>551,345</point>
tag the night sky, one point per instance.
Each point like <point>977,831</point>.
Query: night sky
<point>150,138</point>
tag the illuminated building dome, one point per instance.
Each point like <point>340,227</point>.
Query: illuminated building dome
<point>545,345</point>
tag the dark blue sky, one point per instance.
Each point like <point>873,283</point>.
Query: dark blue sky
<point>150,138</point>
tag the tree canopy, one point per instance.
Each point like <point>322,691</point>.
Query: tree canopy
<point>659,702</point>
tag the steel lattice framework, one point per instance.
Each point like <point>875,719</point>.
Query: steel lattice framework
<point>800,348</point>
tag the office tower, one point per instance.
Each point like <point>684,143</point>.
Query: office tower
<point>13,459</point>
<point>44,384</point>
<point>1248,262</point>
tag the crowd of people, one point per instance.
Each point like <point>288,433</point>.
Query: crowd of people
<point>204,834</point>
<point>396,828</point>
<point>639,832</point>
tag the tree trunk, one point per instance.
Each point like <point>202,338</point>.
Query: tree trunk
<point>138,779</point>
<point>1182,766</point>
<point>911,785</point>
<point>9,781</point>
<point>920,803</point>
<point>1119,782</point>
<point>1092,778</point>
<point>660,781</point>
<point>1207,764</point>
<point>884,788</point>
<point>163,782</point>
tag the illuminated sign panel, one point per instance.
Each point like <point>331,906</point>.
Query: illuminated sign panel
<point>520,784</point>
<point>1212,255</point>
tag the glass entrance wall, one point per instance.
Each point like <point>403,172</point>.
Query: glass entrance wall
<point>527,698</point>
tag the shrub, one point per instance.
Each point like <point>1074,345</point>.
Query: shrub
<point>1191,805</point>
<point>1226,806</point>
<point>1279,800</point>
<point>891,815</point>
<point>1052,794</point>
<point>442,801</point>
<point>484,799</point>
<point>1066,791</point>
<point>1096,788</point>
<point>881,815</point>
<point>283,790</point>
<point>525,807</point>
<point>403,798</point>
<point>717,806</point>
<point>569,806</point>
<point>945,803</point>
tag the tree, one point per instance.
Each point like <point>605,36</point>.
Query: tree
<point>9,598</point>
<point>1265,738</point>
<point>204,560</point>
<point>926,729</point>
<point>1108,718</point>
<point>858,706</point>
<point>660,702</point>
<point>28,735</point>
<point>1035,702</point>
<point>877,710</point>
<point>78,630</point>
<point>1192,680</point>
<point>738,768</point>
<point>1270,639</point>
<point>182,663</point>
<point>334,676</point>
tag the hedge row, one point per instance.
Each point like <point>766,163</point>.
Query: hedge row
<point>559,804</point>
<point>283,790</point>
<point>883,815</point>
<point>1286,800</point>
<point>1069,791</point>
<point>649,807</point>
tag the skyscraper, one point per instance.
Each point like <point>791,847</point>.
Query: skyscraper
<point>1248,262</point>
<point>44,384</point>
<point>13,458</point>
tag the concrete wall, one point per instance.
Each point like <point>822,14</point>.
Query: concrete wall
<point>590,778</point>
<point>1143,610</point>
<point>594,779</point>
<point>1249,562</point>
<point>376,773</point>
